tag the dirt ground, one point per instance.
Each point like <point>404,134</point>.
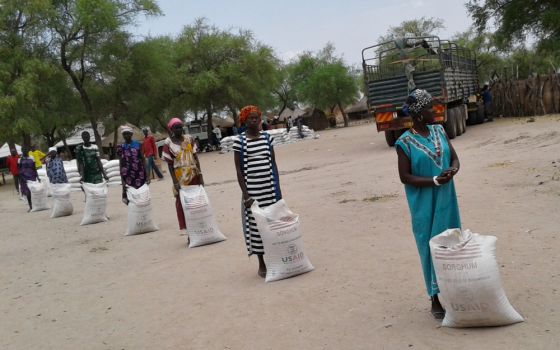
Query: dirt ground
<point>65,286</point>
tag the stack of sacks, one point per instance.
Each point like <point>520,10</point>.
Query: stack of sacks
<point>112,169</point>
<point>73,175</point>
<point>42,172</point>
<point>226,144</point>
<point>278,136</point>
<point>307,133</point>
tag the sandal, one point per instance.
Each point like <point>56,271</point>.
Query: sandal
<point>438,315</point>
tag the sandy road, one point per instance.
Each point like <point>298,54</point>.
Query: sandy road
<point>64,286</point>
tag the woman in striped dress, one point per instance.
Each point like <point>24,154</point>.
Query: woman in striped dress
<point>257,175</point>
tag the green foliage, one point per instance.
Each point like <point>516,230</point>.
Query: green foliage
<point>515,20</point>
<point>323,80</point>
<point>424,26</point>
<point>219,69</point>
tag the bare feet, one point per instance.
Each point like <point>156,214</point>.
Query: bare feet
<point>437,310</point>
<point>262,272</point>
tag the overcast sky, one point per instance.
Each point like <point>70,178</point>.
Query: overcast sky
<point>291,26</point>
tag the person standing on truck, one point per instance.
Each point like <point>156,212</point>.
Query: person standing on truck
<point>257,175</point>
<point>487,99</point>
<point>427,164</point>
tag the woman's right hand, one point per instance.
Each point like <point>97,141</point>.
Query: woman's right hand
<point>444,178</point>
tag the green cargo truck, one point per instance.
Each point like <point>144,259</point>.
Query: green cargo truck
<point>448,72</point>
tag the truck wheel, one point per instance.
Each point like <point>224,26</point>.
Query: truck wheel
<point>390,137</point>
<point>464,119</point>
<point>450,125</point>
<point>480,114</point>
<point>472,118</point>
<point>458,121</point>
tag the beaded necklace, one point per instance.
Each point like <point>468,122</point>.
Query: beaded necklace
<point>433,140</point>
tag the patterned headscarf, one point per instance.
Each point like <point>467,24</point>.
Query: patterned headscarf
<point>173,121</point>
<point>126,128</point>
<point>417,101</point>
<point>245,111</point>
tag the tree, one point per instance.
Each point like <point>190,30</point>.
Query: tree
<point>21,56</point>
<point>515,20</point>
<point>413,28</point>
<point>324,81</point>
<point>78,28</point>
<point>219,69</point>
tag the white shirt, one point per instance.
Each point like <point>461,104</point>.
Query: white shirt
<point>218,132</point>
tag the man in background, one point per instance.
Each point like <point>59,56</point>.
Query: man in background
<point>12,163</point>
<point>37,156</point>
<point>150,152</point>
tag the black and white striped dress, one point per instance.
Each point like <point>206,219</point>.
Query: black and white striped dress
<point>261,181</point>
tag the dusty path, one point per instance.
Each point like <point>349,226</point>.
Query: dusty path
<point>66,287</point>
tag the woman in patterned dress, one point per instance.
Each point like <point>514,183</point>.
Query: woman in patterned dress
<point>27,172</point>
<point>257,175</point>
<point>427,164</point>
<point>55,167</point>
<point>179,151</point>
<point>131,162</point>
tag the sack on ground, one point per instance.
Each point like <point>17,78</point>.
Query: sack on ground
<point>62,206</point>
<point>201,225</point>
<point>111,164</point>
<point>114,174</point>
<point>38,195</point>
<point>469,280</point>
<point>282,241</point>
<point>140,219</point>
<point>96,203</point>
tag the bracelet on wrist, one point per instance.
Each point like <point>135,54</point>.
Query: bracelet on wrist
<point>436,182</point>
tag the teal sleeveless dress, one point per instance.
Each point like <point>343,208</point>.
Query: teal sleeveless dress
<point>432,209</point>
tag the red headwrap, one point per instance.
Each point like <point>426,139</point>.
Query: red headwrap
<point>245,111</point>
<point>172,122</point>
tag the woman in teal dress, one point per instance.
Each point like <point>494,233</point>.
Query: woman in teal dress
<point>427,165</point>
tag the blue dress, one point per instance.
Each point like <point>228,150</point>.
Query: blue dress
<point>432,209</point>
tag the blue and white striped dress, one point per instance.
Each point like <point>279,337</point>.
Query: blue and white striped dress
<point>261,181</point>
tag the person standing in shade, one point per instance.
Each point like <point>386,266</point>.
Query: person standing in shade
<point>27,172</point>
<point>150,152</point>
<point>217,137</point>
<point>55,167</point>
<point>299,122</point>
<point>179,151</point>
<point>12,164</point>
<point>289,124</point>
<point>131,161</point>
<point>257,175</point>
<point>37,156</point>
<point>427,165</point>
<point>487,99</point>
<point>89,161</point>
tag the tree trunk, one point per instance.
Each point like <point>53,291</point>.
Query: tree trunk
<point>162,124</point>
<point>12,145</point>
<point>343,114</point>
<point>66,148</point>
<point>209,125</point>
<point>26,139</point>
<point>84,97</point>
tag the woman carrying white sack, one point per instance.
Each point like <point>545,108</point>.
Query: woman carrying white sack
<point>257,175</point>
<point>134,184</point>
<point>59,182</point>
